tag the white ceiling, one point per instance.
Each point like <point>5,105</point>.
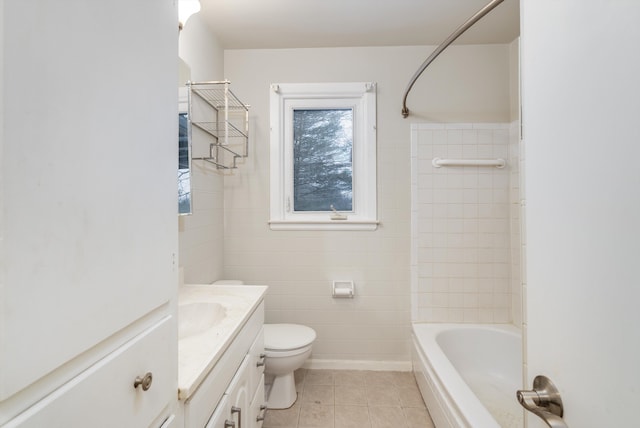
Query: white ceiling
<point>253,24</point>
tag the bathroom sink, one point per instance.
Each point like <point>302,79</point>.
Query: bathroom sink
<point>198,317</point>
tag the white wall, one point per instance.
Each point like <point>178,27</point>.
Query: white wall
<point>201,234</point>
<point>465,84</point>
<point>514,79</point>
<point>200,50</point>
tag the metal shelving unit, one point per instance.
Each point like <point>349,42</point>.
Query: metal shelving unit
<point>216,111</point>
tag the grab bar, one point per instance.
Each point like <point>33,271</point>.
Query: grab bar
<point>464,27</point>
<point>498,163</point>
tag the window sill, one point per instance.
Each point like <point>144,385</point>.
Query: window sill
<point>324,225</point>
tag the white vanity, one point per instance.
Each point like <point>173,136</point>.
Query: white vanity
<point>221,356</point>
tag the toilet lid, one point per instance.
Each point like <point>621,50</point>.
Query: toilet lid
<point>280,337</point>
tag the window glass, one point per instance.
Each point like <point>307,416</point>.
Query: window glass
<point>184,174</point>
<point>323,159</point>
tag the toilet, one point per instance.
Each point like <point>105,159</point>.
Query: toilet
<point>287,347</point>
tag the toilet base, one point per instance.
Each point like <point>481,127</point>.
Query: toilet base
<point>283,392</point>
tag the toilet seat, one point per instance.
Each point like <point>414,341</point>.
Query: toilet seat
<point>281,354</point>
<point>280,338</point>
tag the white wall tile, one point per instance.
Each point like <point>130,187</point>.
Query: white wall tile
<point>458,126</point>
<point>468,261</point>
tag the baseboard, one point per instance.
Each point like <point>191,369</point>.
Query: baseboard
<point>397,366</point>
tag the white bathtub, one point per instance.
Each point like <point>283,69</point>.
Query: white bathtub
<point>468,374</point>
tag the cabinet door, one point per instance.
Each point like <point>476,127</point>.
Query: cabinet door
<point>221,416</point>
<point>240,397</point>
<point>233,410</point>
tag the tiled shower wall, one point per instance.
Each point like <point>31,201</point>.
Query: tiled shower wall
<point>465,260</point>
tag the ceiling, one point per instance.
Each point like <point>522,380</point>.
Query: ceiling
<point>260,24</point>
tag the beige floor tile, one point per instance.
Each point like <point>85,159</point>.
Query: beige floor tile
<point>352,417</point>
<point>287,418</point>
<point>316,416</point>
<point>410,397</point>
<point>387,417</point>
<point>418,418</point>
<point>404,379</point>
<point>318,394</point>
<point>365,399</point>
<point>299,376</point>
<point>373,378</point>
<point>381,396</point>
<point>319,377</point>
<point>350,395</point>
<point>348,377</point>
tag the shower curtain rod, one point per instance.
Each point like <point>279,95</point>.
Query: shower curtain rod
<point>464,27</point>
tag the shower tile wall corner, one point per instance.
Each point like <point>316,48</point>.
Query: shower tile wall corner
<point>465,245</point>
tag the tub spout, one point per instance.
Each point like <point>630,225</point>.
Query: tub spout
<point>544,401</point>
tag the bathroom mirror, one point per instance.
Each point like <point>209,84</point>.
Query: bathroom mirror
<point>184,156</point>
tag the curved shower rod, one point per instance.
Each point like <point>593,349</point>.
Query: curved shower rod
<point>464,27</point>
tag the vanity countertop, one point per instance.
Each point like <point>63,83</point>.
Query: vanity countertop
<point>198,354</point>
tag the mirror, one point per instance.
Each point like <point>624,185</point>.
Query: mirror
<point>184,156</point>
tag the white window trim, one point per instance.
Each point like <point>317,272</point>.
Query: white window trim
<point>362,98</point>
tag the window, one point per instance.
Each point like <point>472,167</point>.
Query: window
<point>323,156</point>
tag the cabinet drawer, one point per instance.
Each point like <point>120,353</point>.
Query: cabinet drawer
<point>104,395</point>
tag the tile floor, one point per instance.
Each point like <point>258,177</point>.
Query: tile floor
<point>353,399</point>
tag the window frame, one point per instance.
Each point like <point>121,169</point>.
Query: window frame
<point>361,98</point>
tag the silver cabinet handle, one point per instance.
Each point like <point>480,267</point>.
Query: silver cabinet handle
<point>144,382</point>
<point>229,424</point>
<point>263,409</point>
<point>262,359</point>
<point>544,401</point>
<point>237,410</point>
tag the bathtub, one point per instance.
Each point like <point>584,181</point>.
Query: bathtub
<point>468,374</point>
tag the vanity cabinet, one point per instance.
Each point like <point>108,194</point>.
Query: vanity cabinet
<point>88,213</point>
<point>232,393</point>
